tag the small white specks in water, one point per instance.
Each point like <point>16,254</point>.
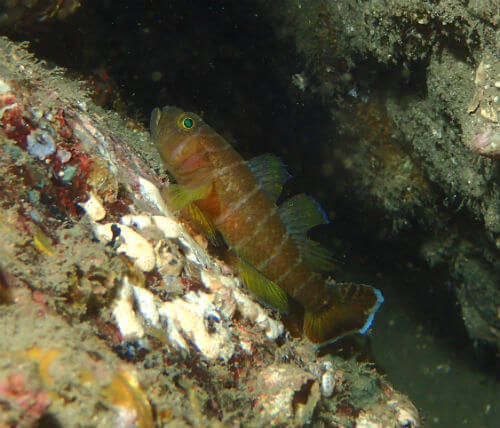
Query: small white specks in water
<point>156,76</point>
<point>443,368</point>
<point>94,208</point>
<point>300,80</point>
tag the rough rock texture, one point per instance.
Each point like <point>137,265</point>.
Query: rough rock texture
<point>111,309</point>
<point>414,90</point>
<point>26,13</point>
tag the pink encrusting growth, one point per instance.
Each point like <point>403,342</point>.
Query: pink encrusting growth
<point>238,198</point>
<point>486,143</point>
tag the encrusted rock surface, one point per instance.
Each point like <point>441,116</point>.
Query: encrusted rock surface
<point>414,92</point>
<point>112,311</point>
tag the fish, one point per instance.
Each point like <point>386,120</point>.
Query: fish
<point>237,200</point>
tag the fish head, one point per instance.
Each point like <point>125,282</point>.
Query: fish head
<point>179,138</point>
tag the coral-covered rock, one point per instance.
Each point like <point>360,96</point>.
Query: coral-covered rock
<point>117,314</point>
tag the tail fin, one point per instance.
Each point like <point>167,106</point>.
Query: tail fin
<point>351,310</point>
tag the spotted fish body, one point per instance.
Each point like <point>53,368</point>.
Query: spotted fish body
<point>238,199</point>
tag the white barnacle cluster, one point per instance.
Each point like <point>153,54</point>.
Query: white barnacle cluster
<point>202,319</point>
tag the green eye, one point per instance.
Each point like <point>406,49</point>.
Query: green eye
<point>188,123</point>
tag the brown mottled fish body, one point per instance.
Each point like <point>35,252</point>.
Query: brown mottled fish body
<point>237,205</point>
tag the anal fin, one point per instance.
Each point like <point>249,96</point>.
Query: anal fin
<point>264,289</point>
<point>351,309</point>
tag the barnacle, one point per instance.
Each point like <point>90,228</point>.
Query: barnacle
<point>40,144</point>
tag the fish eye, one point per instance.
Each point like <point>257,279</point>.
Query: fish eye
<point>187,123</point>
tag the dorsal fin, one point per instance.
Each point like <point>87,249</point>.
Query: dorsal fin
<point>299,214</point>
<point>270,171</point>
<point>317,257</point>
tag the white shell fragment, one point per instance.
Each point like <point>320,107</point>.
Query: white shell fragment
<point>145,301</point>
<point>169,227</point>
<point>248,308</point>
<point>137,248</point>
<point>151,193</point>
<point>327,384</point>
<point>200,319</point>
<point>103,232</point>
<point>123,311</point>
<point>328,379</point>
<point>94,208</point>
<point>407,413</point>
<point>196,318</point>
<point>257,314</point>
<point>137,221</point>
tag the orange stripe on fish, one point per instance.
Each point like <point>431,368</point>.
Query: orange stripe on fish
<point>238,199</point>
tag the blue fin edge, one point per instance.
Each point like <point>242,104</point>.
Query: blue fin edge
<point>366,326</point>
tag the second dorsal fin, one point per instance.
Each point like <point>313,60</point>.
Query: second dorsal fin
<point>299,214</point>
<point>270,171</point>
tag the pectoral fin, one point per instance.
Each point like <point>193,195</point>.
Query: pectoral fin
<point>178,196</point>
